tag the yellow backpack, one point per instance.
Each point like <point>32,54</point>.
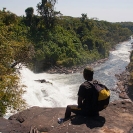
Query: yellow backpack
<point>104,94</point>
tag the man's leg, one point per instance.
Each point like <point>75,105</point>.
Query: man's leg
<point>69,109</point>
<point>72,108</point>
<point>68,112</point>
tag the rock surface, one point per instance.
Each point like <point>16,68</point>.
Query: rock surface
<point>122,85</point>
<point>116,118</point>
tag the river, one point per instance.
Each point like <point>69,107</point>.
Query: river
<point>64,87</point>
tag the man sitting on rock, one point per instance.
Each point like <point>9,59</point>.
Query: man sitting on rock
<point>87,99</point>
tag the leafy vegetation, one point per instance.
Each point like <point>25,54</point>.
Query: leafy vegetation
<point>75,41</point>
<point>47,40</point>
<point>128,25</point>
<point>14,49</point>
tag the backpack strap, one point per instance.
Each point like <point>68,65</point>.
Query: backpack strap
<point>97,85</point>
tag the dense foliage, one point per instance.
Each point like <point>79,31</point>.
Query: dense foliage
<point>47,40</point>
<point>14,49</point>
<point>128,25</point>
<point>73,41</point>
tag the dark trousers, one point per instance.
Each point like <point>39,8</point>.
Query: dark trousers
<point>78,111</point>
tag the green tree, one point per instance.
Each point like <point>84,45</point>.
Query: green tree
<point>29,15</point>
<point>14,49</point>
<point>29,12</point>
<point>46,10</point>
<point>10,90</point>
<point>84,17</point>
<point>9,18</point>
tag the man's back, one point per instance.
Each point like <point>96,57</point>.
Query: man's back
<point>90,96</point>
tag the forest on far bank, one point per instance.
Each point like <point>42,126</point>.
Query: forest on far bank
<point>68,41</point>
<point>50,39</point>
<point>61,40</point>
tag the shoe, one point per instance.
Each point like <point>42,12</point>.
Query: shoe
<point>60,120</point>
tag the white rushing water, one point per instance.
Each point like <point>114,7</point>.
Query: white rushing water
<point>56,94</point>
<point>64,87</point>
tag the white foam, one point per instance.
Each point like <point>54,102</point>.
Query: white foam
<point>56,94</point>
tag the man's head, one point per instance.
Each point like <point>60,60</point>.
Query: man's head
<point>88,73</point>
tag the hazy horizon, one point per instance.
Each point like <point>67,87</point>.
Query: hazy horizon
<point>111,11</point>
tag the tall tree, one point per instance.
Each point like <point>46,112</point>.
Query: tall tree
<point>46,10</point>
<point>29,12</point>
<point>29,15</point>
<point>84,17</point>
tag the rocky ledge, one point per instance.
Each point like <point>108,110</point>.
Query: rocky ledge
<point>123,88</point>
<point>116,118</point>
<point>74,69</point>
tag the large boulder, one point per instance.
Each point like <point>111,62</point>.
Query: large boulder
<point>116,118</point>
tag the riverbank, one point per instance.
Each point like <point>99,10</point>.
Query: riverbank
<point>123,87</point>
<point>74,69</point>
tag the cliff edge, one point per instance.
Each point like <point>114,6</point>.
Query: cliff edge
<point>116,118</point>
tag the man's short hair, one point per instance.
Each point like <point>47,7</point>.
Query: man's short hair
<point>88,70</point>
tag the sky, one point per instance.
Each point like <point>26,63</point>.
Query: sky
<point>108,10</point>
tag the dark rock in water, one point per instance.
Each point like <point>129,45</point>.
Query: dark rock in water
<point>116,118</point>
<point>42,81</point>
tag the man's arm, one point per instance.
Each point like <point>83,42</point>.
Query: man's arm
<point>80,101</point>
